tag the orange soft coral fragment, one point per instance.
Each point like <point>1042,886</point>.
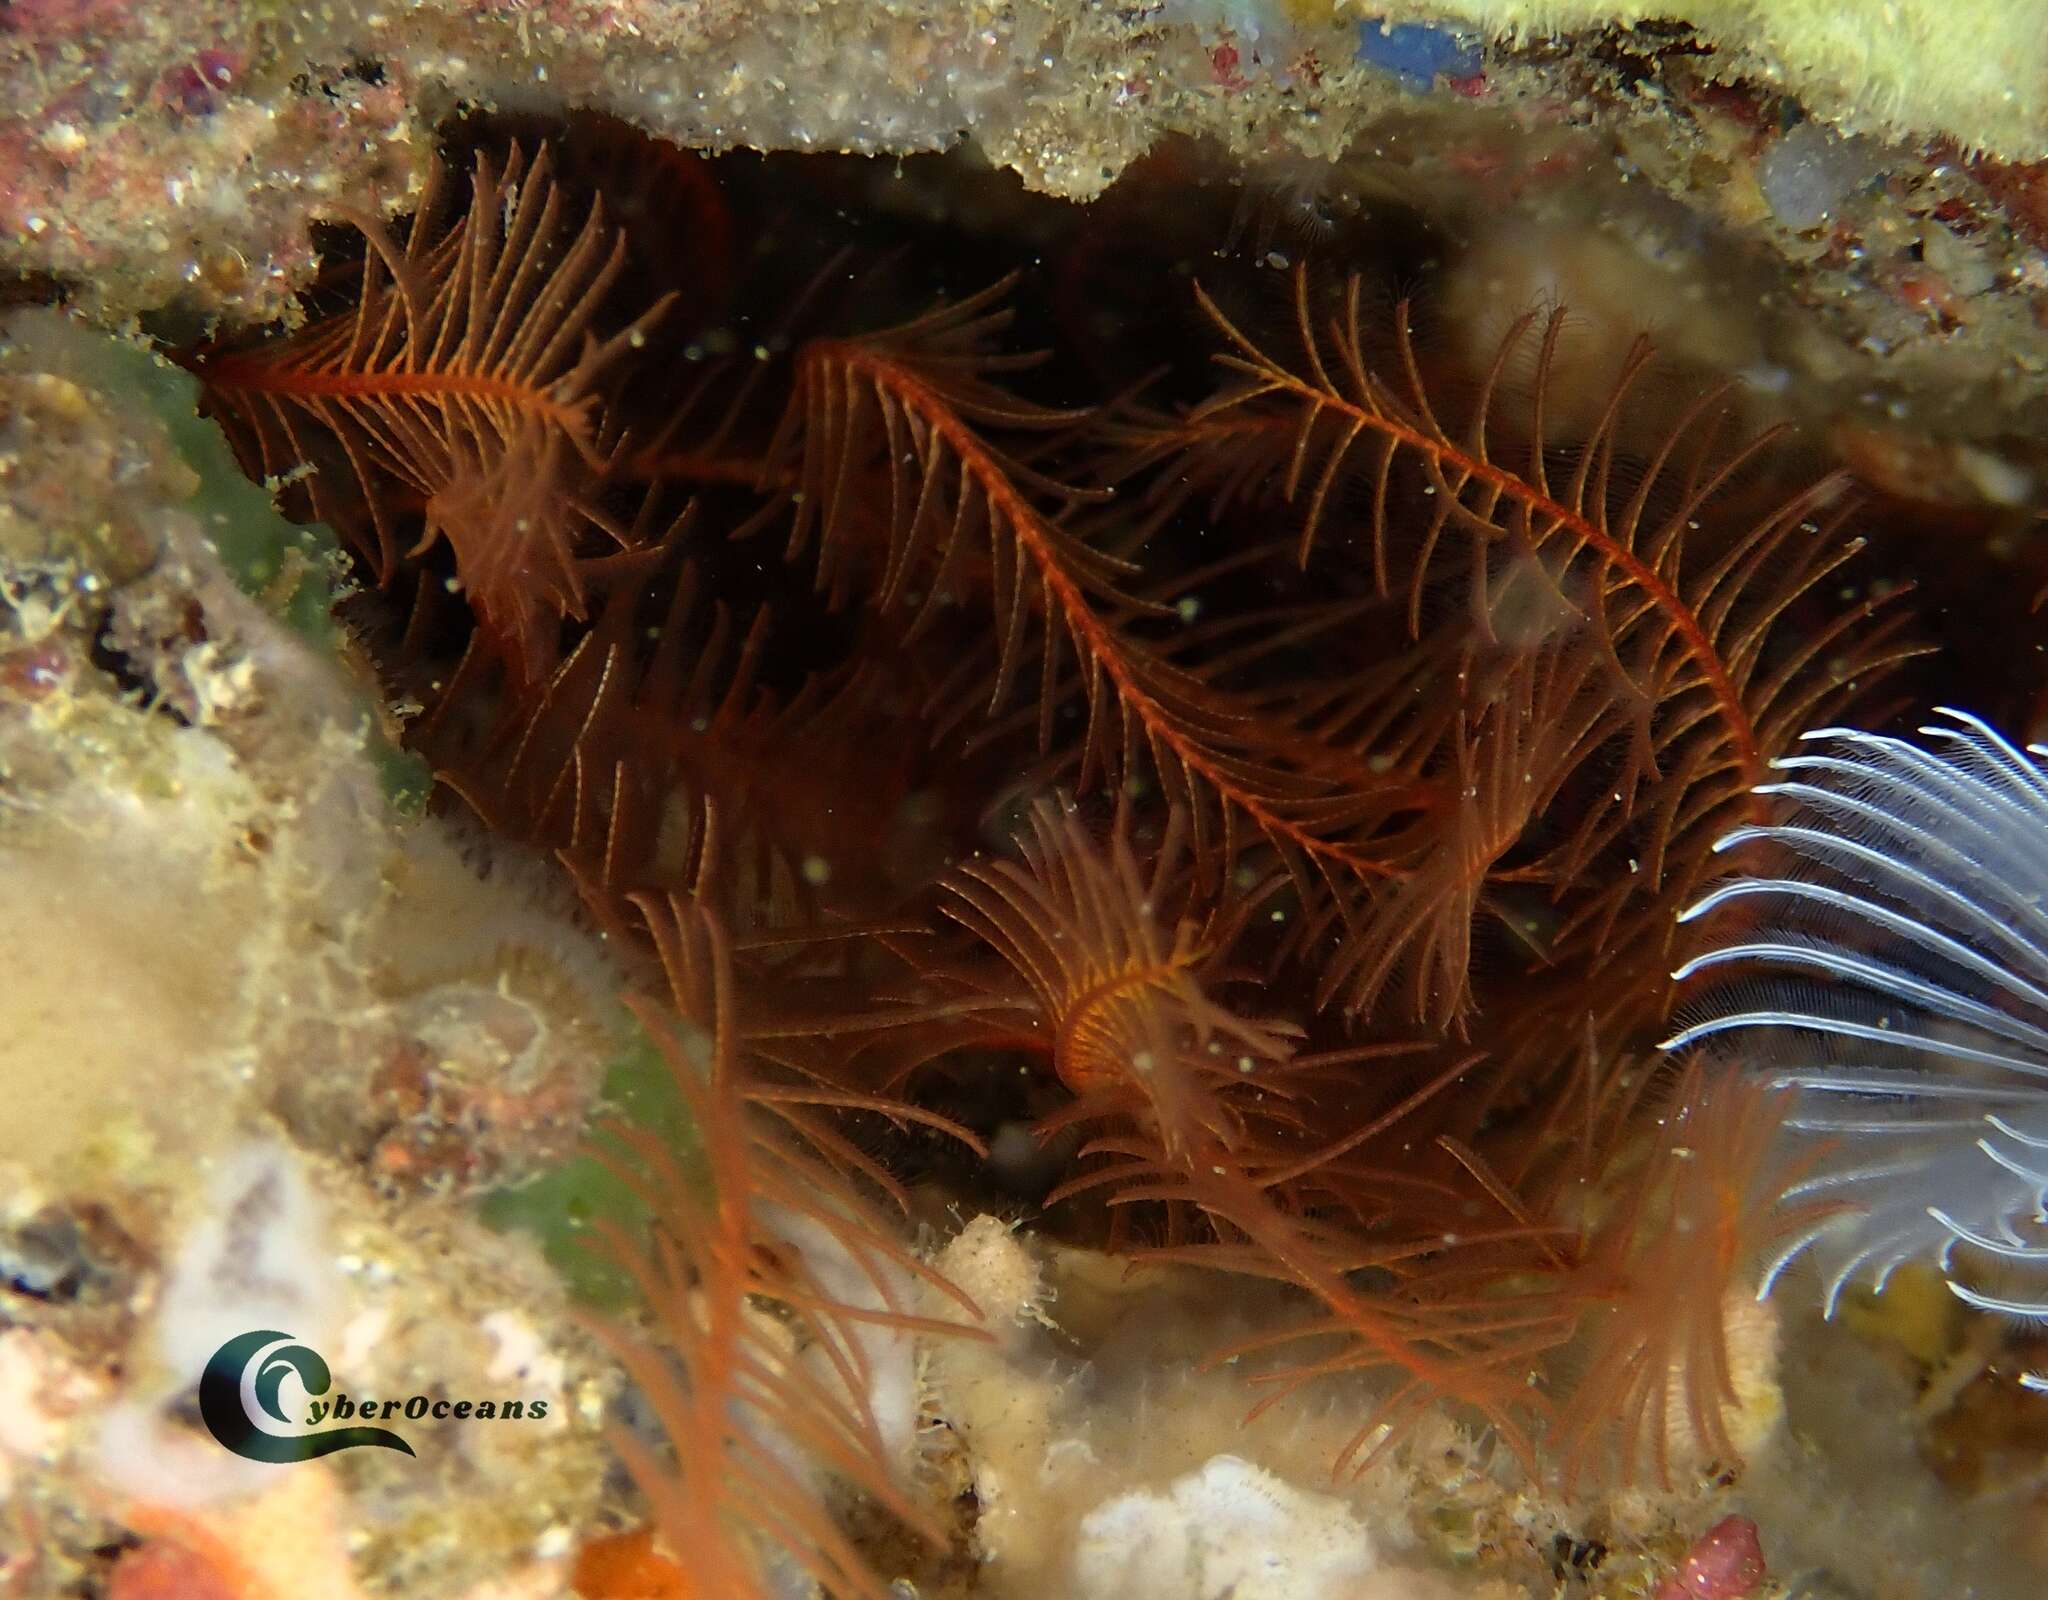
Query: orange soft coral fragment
<point>288,1541</point>
<point>627,1566</point>
<point>163,1569</point>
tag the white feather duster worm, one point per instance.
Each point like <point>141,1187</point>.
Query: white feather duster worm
<point>1894,974</point>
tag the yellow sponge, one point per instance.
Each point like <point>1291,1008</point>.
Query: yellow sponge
<point>1975,71</point>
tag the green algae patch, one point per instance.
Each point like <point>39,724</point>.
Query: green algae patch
<point>297,572</point>
<point>406,779</point>
<point>568,1209</point>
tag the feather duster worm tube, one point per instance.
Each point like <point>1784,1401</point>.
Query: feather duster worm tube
<point>1888,961</point>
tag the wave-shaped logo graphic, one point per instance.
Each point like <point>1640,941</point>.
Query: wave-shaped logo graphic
<point>240,1399</point>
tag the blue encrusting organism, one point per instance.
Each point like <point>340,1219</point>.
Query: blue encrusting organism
<point>1416,53</point>
<point>1892,970</point>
